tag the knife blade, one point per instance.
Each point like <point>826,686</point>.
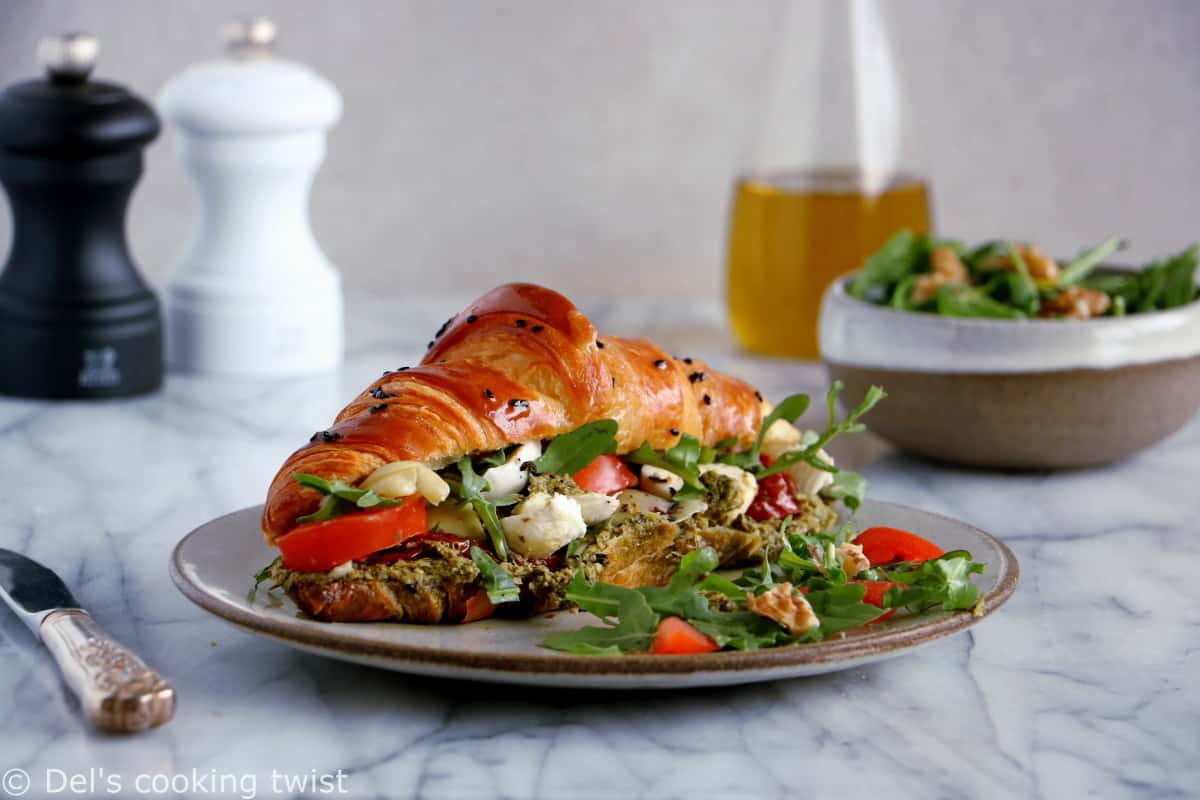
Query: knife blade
<point>116,689</point>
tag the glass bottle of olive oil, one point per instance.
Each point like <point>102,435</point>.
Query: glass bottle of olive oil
<point>835,171</point>
<point>792,233</point>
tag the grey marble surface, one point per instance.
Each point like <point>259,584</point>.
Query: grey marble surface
<point>1087,684</point>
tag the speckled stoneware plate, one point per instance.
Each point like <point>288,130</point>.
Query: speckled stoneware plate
<point>214,566</point>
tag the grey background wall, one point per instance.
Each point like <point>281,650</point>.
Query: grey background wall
<point>592,145</point>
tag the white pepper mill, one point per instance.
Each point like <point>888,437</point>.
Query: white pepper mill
<point>252,294</point>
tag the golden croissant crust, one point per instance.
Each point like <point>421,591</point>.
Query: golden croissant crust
<point>520,363</point>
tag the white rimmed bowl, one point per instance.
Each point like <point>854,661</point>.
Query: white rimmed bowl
<point>1016,394</point>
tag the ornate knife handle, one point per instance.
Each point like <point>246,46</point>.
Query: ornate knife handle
<point>118,692</point>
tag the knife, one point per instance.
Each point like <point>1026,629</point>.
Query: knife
<point>116,689</point>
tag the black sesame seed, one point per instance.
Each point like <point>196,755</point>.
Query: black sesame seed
<point>707,400</point>
<point>430,345</point>
<point>695,376</point>
<point>614,380</point>
<point>387,372</point>
<point>326,436</point>
<point>600,344</point>
<point>660,363</point>
<point>379,394</point>
<point>402,369</point>
<point>379,407</point>
<point>489,394</point>
<point>518,403</point>
<point>758,396</point>
<point>538,328</point>
<point>674,431</point>
<point>687,360</point>
<point>441,361</point>
<point>472,318</point>
<point>521,323</point>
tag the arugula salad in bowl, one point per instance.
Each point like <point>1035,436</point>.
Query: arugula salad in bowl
<point>1006,280</point>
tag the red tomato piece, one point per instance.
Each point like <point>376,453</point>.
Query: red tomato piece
<point>888,545</point>
<point>479,607</point>
<point>605,475</point>
<point>776,496</point>
<point>321,546</point>
<point>675,637</point>
<point>874,596</point>
<point>417,545</point>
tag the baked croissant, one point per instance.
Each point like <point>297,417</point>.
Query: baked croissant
<point>520,364</point>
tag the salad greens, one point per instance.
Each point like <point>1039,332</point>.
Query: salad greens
<point>812,564</point>
<point>497,582</point>
<point>683,459</point>
<point>340,498</point>
<point>571,452</point>
<point>1002,280</point>
<point>471,489</point>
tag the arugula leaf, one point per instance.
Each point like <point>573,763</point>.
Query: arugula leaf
<point>494,459</point>
<point>841,607</point>
<point>471,489</point>
<point>1180,287</point>
<point>742,630</point>
<point>964,301</point>
<point>945,580</point>
<point>635,624</point>
<point>261,577</point>
<point>900,256</point>
<point>849,487</point>
<point>337,495</point>
<point>722,585</point>
<point>833,428</point>
<point>573,451</point>
<point>1079,267</point>
<point>679,597</point>
<point>497,582</point>
<point>683,459</point>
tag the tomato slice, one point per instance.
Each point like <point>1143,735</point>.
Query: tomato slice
<point>675,637</point>
<point>321,546</point>
<point>888,545</point>
<point>605,475</point>
<point>874,596</point>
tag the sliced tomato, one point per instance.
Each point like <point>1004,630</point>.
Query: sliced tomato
<point>776,496</point>
<point>479,607</point>
<point>675,637</point>
<point>888,545</point>
<point>605,475</point>
<point>321,546</point>
<point>874,596</point>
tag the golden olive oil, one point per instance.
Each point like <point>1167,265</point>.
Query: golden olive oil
<point>792,233</point>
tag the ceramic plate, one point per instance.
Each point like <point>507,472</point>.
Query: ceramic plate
<point>214,564</point>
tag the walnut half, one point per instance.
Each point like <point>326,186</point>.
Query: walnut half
<point>782,604</point>
<point>1076,302</point>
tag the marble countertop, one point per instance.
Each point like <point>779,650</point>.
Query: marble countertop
<point>1086,684</point>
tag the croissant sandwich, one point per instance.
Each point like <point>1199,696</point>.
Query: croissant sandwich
<point>526,449</point>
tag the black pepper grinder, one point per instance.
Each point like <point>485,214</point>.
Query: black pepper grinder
<point>76,317</point>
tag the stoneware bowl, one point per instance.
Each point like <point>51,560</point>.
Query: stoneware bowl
<point>1016,394</point>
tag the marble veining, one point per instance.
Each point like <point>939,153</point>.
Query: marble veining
<point>1086,685</point>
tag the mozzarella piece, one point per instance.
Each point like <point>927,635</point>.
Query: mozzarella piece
<point>508,478</point>
<point>460,520</point>
<point>784,437</point>
<point>544,523</point>
<point>596,507</point>
<point>342,570</point>
<point>637,500</point>
<point>660,482</point>
<point>687,508</point>
<point>406,478</point>
<point>745,484</point>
